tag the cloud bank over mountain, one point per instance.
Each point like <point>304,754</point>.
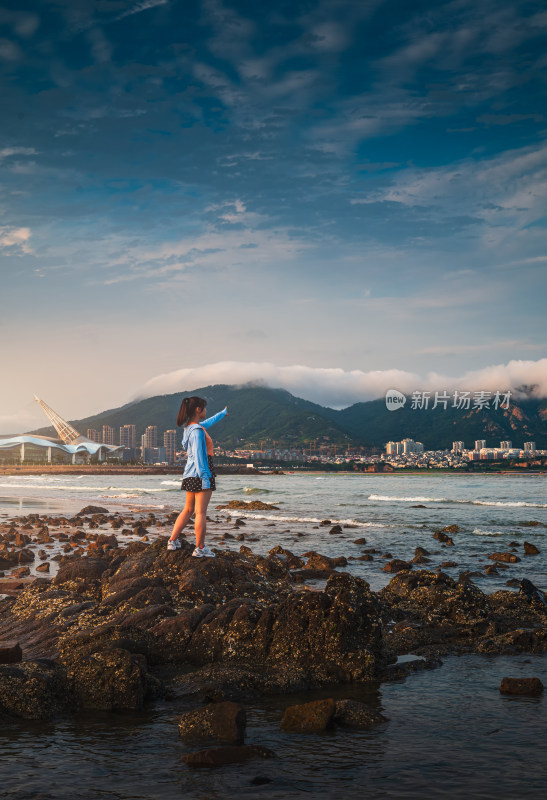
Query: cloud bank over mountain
<point>338,388</point>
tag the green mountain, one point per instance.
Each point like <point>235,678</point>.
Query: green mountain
<point>257,413</point>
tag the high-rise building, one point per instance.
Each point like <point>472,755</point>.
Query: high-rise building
<point>108,434</point>
<point>93,435</point>
<point>507,445</point>
<point>151,436</point>
<point>391,448</point>
<point>128,436</point>
<point>458,447</point>
<point>531,446</point>
<point>480,444</point>
<point>170,444</point>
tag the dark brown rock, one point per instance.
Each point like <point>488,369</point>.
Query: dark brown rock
<point>88,568</point>
<point>309,717</point>
<point>396,565</point>
<point>356,714</point>
<point>521,686</point>
<point>530,549</point>
<point>33,690</point>
<point>505,557</point>
<point>225,721</point>
<point>443,537</point>
<point>10,652</point>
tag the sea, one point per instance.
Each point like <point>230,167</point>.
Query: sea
<point>450,733</point>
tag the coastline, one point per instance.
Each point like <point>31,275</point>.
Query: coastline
<point>123,628</point>
<point>73,469</point>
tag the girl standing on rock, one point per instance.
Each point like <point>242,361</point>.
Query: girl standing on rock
<point>199,474</point>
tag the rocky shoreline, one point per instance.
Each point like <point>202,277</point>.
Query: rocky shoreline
<point>122,624</point>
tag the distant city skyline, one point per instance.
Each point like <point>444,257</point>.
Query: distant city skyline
<point>332,197</point>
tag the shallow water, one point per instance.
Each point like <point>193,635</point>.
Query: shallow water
<point>450,734</point>
<point>490,510</point>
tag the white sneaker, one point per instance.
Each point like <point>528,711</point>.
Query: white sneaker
<point>203,552</point>
<point>173,544</point>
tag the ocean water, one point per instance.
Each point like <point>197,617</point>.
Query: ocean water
<point>491,510</point>
<point>450,733</point>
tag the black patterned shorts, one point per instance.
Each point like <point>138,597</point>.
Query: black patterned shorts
<point>194,484</point>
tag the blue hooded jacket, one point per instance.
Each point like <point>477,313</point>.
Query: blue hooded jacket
<point>193,441</point>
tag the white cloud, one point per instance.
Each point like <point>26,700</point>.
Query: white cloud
<point>340,388</point>
<point>504,193</point>
<point>6,152</point>
<point>144,5</point>
<point>15,237</point>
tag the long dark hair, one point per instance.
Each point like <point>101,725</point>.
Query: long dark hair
<point>188,408</point>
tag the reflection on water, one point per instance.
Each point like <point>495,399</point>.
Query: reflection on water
<point>450,734</point>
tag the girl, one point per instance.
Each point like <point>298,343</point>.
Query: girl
<point>199,474</point>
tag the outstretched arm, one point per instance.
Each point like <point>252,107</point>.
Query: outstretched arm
<point>206,423</point>
<point>199,447</point>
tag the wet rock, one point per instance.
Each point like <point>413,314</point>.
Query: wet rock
<point>448,564</point>
<point>336,529</point>
<point>517,641</point>
<point>10,652</point>
<point>20,572</point>
<point>451,529</point>
<point>521,686</point>
<point>362,540</point>
<point>88,568</point>
<point>396,565</point>
<point>293,561</point>
<point>534,595</point>
<point>443,537</point>
<point>491,569</point>
<point>253,505</point>
<point>419,505</point>
<point>365,557</point>
<point>319,561</point>
<point>311,717</point>
<point>356,715</point>
<point>92,510</point>
<point>33,690</point>
<point>25,556</point>
<point>111,679</point>
<point>421,551</point>
<point>225,721</point>
<point>43,567</point>
<point>530,549</point>
<point>231,754</point>
<point>504,557</point>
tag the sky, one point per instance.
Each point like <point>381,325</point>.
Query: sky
<point>330,196</point>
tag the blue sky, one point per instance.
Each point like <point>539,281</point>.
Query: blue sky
<point>349,186</point>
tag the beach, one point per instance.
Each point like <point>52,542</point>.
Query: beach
<point>440,617</point>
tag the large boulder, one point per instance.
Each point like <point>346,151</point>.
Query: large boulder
<point>74,568</point>
<point>225,721</point>
<point>33,690</point>
<point>312,717</point>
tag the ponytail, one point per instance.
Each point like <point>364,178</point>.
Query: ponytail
<point>188,408</point>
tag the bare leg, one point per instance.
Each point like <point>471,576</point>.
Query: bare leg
<point>202,501</point>
<point>182,519</point>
